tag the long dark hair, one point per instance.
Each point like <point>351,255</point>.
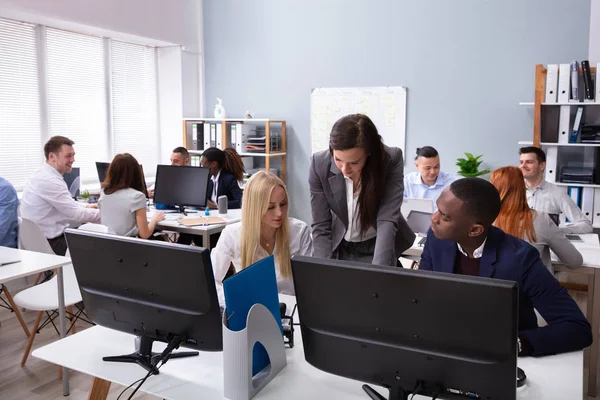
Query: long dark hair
<point>228,160</point>
<point>357,130</point>
<point>123,172</point>
<point>234,164</point>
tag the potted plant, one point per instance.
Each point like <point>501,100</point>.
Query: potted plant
<point>469,166</point>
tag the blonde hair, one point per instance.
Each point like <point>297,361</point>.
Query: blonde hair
<point>255,203</point>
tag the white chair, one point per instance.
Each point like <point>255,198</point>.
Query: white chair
<point>44,297</point>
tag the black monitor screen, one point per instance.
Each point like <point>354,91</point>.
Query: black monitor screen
<point>395,328</point>
<point>101,167</point>
<point>73,181</point>
<point>183,186</point>
<point>152,289</point>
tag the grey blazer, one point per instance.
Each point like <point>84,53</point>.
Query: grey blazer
<point>330,209</point>
<point>549,237</point>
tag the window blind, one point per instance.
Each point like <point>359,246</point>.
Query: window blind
<point>21,150</point>
<point>77,96</point>
<point>135,103</point>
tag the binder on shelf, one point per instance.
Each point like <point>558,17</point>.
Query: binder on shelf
<point>213,135</point>
<point>564,83</point>
<point>219,136</point>
<point>596,217</point>
<point>551,164</point>
<point>575,81</point>
<point>551,83</point>
<point>242,132</point>
<point>588,85</point>
<point>207,128</point>
<point>576,125</point>
<point>587,203</point>
<point>575,194</point>
<point>564,124</point>
<point>233,130</point>
<point>597,86</point>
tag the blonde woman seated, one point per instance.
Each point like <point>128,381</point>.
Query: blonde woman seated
<point>265,229</point>
<point>122,202</point>
<point>535,227</point>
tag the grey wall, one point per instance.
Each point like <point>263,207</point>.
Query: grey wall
<point>466,63</point>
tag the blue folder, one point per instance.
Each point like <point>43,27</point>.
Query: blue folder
<point>254,284</point>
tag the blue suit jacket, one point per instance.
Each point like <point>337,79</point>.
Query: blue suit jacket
<point>508,258</point>
<point>228,186</point>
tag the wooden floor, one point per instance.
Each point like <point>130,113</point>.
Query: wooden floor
<point>38,380</point>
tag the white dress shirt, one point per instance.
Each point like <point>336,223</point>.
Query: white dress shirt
<point>478,253</point>
<point>229,250</point>
<point>213,195</point>
<point>47,202</point>
<point>353,232</point>
<point>551,199</point>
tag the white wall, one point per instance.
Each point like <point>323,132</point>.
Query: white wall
<point>594,54</point>
<point>154,22</point>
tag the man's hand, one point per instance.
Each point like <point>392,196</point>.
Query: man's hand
<point>95,205</point>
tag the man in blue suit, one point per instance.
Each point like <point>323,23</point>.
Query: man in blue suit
<point>462,240</point>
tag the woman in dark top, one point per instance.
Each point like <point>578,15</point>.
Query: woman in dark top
<point>223,181</point>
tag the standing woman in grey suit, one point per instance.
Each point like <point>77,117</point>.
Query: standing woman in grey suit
<point>356,190</point>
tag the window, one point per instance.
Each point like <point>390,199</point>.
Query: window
<point>77,96</point>
<point>20,123</point>
<point>99,92</point>
<point>134,101</point>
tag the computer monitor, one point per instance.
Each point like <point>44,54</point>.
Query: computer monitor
<point>102,168</point>
<point>411,203</point>
<point>181,186</point>
<point>419,222</point>
<point>73,182</point>
<point>154,290</point>
<point>404,329</point>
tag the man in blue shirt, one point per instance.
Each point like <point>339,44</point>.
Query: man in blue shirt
<point>428,182</point>
<point>9,219</point>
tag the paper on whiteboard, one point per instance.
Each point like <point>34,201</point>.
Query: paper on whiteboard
<point>386,106</point>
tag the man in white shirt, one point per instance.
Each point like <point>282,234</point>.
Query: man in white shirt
<point>546,197</point>
<point>46,199</point>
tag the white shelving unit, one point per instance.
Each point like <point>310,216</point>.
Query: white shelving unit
<point>552,126</point>
<point>262,160</point>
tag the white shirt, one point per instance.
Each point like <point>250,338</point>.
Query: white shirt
<point>47,202</point>
<point>478,253</point>
<point>353,231</point>
<point>213,195</point>
<point>229,250</point>
<point>551,199</point>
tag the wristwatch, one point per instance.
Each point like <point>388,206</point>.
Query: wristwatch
<point>518,345</point>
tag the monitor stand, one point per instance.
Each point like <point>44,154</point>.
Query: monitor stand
<point>396,393</point>
<point>144,355</point>
<point>182,210</point>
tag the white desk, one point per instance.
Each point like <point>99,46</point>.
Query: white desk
<point>32,263</point>
<point>170,223</point>
<point>554,377</point>
<point>590,250</point>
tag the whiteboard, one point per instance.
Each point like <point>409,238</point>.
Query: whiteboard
<point>386,106</point>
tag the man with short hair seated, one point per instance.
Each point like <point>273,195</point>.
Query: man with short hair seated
<point>9,219</point>
<point>463,241</point>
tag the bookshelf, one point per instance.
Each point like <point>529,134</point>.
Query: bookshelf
<point>266,136</point>
<point>553,122</point>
